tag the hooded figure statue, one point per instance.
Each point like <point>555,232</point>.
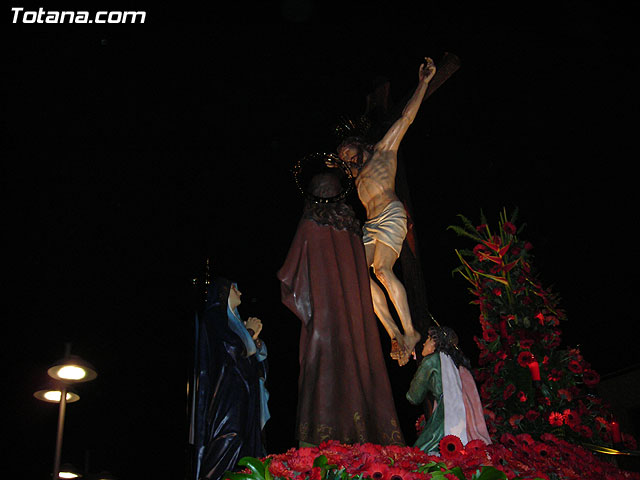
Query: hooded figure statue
<point>230,394</point>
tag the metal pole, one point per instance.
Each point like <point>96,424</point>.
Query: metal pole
<point>61,412</point>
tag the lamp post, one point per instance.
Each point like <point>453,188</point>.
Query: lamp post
<point>69,370</point>
<point>68,471</point>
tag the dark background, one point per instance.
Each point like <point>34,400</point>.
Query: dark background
<point>134,152</point>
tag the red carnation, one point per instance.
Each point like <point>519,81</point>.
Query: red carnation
<point>574,366</point>
<point>509,227</point>
<point>556,419</point>
<point>395,473</point>
<point>571,417</point>
<point>522,397</point>
<point>550,438</point>
<point>603,423</point>
<point>515,420</point>
<point>375,470</point>
<point>508,391</point>
<point>542,450</point>
<point>532,415</point>
<point>301,461</point>
<point>278,469</point>
<point>480,251</point>
<point>565,394</point>
<point>476,446</point>
<point>450,447</point>
<point>525,440</point>
<point>489,335</point>
<point>508,440</point>
<point>525,358</point>
<point>590,378</point>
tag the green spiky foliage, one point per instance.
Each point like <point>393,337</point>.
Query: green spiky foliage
<point>520,322</point>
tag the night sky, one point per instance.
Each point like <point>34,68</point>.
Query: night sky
<point>135,152</point>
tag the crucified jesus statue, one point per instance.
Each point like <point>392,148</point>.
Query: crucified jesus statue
<point>374,169</point>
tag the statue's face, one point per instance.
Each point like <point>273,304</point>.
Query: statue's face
<point>234,296</point>
<point>429,347</point>
<point>354,156</point>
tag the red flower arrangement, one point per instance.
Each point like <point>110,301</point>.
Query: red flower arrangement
<point>516,456</point>
<point>520,322</point>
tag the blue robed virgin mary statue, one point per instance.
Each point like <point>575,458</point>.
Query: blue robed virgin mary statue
<point>230,394</point>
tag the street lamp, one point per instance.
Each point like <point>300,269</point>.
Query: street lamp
<point>68,471</point>
<point>53,395</point>
<point>67,371</point>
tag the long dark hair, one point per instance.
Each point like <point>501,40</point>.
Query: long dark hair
<point>338,214</point>
<point>446,341</point>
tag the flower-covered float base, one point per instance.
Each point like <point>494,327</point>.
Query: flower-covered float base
<point>516,457</point>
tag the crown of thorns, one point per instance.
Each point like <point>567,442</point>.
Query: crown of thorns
<point>327,159</point>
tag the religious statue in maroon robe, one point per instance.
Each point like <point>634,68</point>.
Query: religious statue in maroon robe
<point>344,392</point>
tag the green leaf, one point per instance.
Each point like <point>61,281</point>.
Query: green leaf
<point>255,465</point>
<point>437,475</point>
<point>514,215</point>
<point>466,222</point>
<point>429,467</point>
<point>237,476</point>
<point>267,473</point>
<point>320,461</point>
<point>489,473</point>
<point>464,233</point>
<point>483,218</point>
<point>457,471</point>
<point>544,389</point>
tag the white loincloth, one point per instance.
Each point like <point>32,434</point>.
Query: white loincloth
<point>389,227</point>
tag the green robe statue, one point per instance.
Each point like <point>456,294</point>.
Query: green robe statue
<point>428,380</point>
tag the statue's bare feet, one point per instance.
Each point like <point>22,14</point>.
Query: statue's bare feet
<point>410,342</point>
<point>404,358</point>
<point>397,349</point>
